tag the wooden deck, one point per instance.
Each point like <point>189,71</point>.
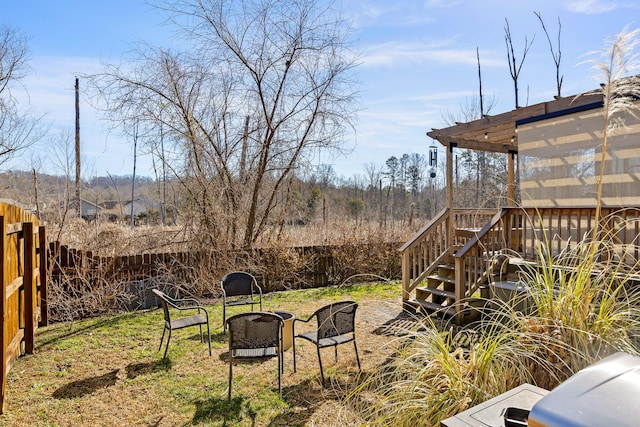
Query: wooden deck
<point>463,251</point>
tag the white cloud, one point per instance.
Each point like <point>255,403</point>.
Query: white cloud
<point>395,53</point>
<point>49,89</point>
<point>593,7</point>
<point>402,14</point>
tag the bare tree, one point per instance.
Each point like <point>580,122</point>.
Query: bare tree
<point>17,131</point>
<point>284,65</point>
<point>13,58</point>
<point>60,156</point>
<point>416,172</point>
<point>373,180</point>
<point>474,163</point>
<point>515,66</point>
<point>373,174</point>
<point>480,95</point>
<point>556,55</point>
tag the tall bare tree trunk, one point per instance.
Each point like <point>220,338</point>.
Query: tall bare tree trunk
<point>556,55</point>
<point>514,66</point>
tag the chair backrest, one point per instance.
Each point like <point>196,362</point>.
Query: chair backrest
<point>254,330</point>
<point>165,304</point>
<point>336,319</point>
<point>238,283</point>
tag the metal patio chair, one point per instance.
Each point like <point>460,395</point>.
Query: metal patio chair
<point>239,288</point>
<point>255,335</point>
<point>184,304</point>
<point>335,326</point>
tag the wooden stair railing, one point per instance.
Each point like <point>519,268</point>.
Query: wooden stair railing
<point>427,257</point>
<point>473,261</point>
<point>422,253</point>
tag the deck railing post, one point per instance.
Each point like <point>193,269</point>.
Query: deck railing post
<point>406,275</point>
<point>459,291</point>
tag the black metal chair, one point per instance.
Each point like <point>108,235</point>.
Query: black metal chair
<point>239,288</point>
<point>335,326</point>
<point>255,335</point>
<point>199,319</point>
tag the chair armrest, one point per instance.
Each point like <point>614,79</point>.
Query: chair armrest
<point>199,308</point>
<point>295,319</point>
<point>175,303</point>
<point>192,307</point>
<point>188,307</point>
<point>302,320</point>
<point>183,300</point>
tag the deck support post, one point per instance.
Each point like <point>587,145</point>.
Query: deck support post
<point>511,184</point>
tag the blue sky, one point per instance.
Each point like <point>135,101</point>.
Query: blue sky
<point>418,63</point>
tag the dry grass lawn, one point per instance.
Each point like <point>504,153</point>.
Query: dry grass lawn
<point>108,371</point>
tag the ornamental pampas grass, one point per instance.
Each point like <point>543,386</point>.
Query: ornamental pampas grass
<point>617,65</point>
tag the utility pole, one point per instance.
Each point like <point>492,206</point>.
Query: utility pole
<point>79,204</point>
<point>245,143</point>
<point>133,180</point>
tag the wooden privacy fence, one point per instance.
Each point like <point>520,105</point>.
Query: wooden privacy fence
<point>23,304</point>
<point>276,268</point>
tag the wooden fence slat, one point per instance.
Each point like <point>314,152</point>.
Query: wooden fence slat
<point>3,301</point>
<point>44,307</point>
<point>320,270</point>
<point>29,285</point>
<point>24,285</point>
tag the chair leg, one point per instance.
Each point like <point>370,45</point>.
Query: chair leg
<point>293,341</point>
<point>357,357</point>
<point>167,347</point>
<point>280,368</point>
<point>320,362</point>
<point>162,339</point>
<point>335,348</point>
<point>230,375</point>
<point>209,338</point>
<point>224,317</point>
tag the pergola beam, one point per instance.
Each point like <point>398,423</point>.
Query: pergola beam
<point>499,133</point>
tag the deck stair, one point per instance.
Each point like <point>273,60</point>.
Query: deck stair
<point>434,256</point>
<point>437,294</point>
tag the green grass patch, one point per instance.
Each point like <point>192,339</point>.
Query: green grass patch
<point>108,370</point>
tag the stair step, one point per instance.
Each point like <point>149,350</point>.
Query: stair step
<point>439,292</point>
<point>448,267</point>
<point>438,278</point>
<point>432,307</point>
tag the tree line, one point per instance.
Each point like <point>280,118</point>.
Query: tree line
<point>234,115</point>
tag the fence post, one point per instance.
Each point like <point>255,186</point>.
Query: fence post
<point>29,297</point>
<point>44,269</point>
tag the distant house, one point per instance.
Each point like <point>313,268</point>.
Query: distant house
<point>88,210</point>
<point>112,210</point>
<point>142,207</point>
